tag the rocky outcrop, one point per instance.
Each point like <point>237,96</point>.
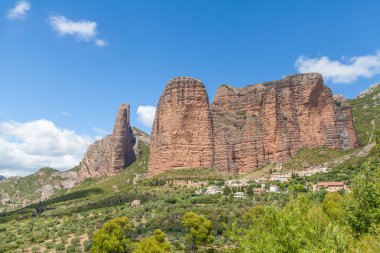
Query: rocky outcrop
<point>182,130</point>
<point>270,122</point>
<point>112,153</point>
<point>246,127</point>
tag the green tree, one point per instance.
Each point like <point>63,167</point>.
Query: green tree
<point>363,205</point>
<point>113,237</point>
<point>300,226</point>
<point>161,239</point>
<point>250,190</point>
<point>333,206</point>
<point>227,191</point>
<point>199,230</point>
<point>154,244</point>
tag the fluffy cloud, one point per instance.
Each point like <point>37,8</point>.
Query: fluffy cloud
<point>26,147</point>
<point>81,30</point>
<point>145,114</point>
<point>344,71</point>
<point>19,10</point>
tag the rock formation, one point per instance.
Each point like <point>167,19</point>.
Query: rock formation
<point>182,129</point>
<point>246,127</point>
<point>112,153</point>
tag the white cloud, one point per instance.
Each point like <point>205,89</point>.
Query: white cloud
<point>81,30</point>
<point>145,114</point>
<point>101,43</point>
<point>344,71</point>
<point>67,114</point>
<point>19,10</point>
<point>26,147</point>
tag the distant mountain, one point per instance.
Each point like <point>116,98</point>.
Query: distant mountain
<point>17,192</point>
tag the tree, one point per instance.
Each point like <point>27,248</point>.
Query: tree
<point>250,190</point>
<point>113,237</point>
<point>333,206</point>
<point>160,237</point>
<point>154,244</point>
<point>363,205</point>
<point>227,191</point>
<point>199,230</point>
<point>300,226</point>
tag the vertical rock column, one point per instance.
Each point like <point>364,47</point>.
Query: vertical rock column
<point>112,153</point>
<point>182,130</point>
<point>123,140</point>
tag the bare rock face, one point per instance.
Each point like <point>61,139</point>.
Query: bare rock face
<point>112,153</point>
<point>182,129</point>
<point>246,127</point>
<point>345,124</point>
<point>270,122</point>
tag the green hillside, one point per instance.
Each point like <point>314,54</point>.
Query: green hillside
<point>67,221</point>
<point>366,113</point>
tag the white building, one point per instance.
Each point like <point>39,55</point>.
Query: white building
<point>213,189</point>
<point>274,188</point>
<point>236,183</point>
<point>280,177</point>
<point>239,195</point>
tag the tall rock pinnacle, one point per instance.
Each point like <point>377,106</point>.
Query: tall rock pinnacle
<point>182,129</point>
<point>112,153</point>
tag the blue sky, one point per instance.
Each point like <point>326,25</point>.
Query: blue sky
<point>53,70</point>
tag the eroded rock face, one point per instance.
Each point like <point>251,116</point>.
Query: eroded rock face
<point>247,127</point>
<point>112,153</point>
<point>270,122</point>
<point>182,129</point>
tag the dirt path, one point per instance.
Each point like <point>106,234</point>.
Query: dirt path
<point>372,132</point>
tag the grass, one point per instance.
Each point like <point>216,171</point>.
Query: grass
<point>309,157</point>
<point>365,110</point>
<point>189,174</point>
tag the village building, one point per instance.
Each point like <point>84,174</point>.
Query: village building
<point>311,171</point>
<point>259,191</point>
<point>274,188</point>
<point>280,177</point>
<point>261,181</point>
<point>213,189</point>
<point>188,183</point>
<point>330,186</point>
<point>236,183</point>
<point>239,195</point>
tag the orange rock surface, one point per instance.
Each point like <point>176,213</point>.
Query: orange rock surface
<point>246,127</point>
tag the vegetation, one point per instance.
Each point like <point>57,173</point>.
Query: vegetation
<point>173,217</point>
<point>199,230</point>
<point>154,244</point>
<point>113,237</point>
<point>366,113</point>
<point>308,157</point>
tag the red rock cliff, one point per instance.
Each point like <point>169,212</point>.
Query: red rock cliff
<point>248,126</point>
